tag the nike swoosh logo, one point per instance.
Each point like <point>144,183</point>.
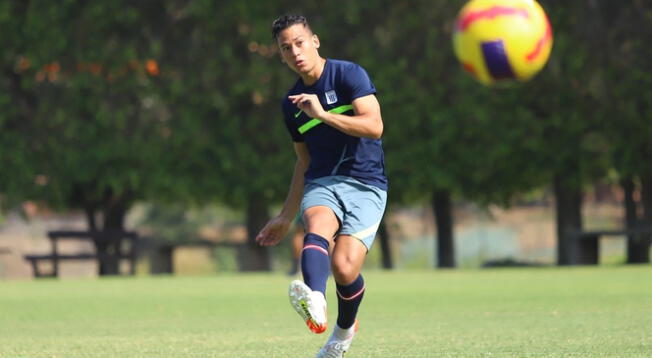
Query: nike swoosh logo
<point>296,115</point>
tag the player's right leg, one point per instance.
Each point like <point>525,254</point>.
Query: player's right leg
<point>310,305</point>
<point>308,297</point>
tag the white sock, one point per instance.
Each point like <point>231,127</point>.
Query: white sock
<point>341,333</point>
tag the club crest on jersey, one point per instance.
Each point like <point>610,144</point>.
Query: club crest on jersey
<point>331,97</point>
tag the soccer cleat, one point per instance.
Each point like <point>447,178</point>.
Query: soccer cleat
<point>310,305</point>
<point>339,342</point>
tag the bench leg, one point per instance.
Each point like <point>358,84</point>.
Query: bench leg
<point>37,273</point>
<point>589,250</point>
<point>638,249</point>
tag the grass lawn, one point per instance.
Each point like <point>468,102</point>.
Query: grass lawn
<point>537,312</point>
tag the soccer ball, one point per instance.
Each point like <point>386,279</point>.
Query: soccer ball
<point>498,40</point>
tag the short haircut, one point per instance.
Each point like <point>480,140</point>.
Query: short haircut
<point>286,21</point>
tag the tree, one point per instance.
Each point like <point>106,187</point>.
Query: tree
<point>93,133</point>
<point>628,79</point>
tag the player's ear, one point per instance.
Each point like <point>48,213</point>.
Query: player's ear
<point>315,40</point>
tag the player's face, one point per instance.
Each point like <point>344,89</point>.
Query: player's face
<point>298,47</point>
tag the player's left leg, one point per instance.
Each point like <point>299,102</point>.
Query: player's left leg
<point>348,256</point>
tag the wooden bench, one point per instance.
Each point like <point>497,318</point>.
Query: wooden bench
<point>589,242</point>
<point>97,237</point>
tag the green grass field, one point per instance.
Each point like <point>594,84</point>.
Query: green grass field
<point>543,312</point>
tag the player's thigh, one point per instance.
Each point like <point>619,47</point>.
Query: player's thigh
<point>321,220</point>
<point>347,258</point>
<point>322,211</point>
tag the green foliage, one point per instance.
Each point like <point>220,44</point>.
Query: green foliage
<point>149,100</point>
<point>222,83</point>
<point>180,101</point>
<point>87,120</point>
<point>629,78</point>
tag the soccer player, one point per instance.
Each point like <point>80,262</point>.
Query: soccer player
<point>339,181</point>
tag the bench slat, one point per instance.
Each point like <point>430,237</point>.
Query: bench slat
<point>92,234</point>
<point>82,256</point>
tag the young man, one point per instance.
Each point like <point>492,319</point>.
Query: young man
<point>339,180</point>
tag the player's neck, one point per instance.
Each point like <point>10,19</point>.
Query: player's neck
<point>312,77</point>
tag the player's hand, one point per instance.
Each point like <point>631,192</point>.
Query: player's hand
<point>309,103</point>
<point>273,232</point>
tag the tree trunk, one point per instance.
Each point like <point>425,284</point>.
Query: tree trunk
<point>635,245</point>
<point>385,248</point>
<point>108,249</point>
<point>442,205</point>
<point>251,256</point>
<point>90,217</point>
<point>642,248</point>
<point>568,207</point>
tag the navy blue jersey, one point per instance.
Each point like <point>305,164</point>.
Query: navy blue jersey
<point>333,152</point>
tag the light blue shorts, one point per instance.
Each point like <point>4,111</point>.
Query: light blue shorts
<point>359,207</point>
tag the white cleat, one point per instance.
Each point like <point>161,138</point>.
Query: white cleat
<point>339,342</point>
<point>310,305</point>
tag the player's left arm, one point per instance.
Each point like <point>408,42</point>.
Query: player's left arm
<point>367,121</point>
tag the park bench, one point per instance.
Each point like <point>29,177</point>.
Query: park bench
<point>589,242</point>
<point>99,238</point>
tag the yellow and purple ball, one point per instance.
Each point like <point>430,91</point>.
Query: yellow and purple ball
<point>498,40</point>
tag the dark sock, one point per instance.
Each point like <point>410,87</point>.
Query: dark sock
<point>315,262</point>
<point>348,300</point>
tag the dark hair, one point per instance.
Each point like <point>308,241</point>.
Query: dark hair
<point>286,21</point>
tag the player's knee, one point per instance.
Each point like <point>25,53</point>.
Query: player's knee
<point>344,271</point>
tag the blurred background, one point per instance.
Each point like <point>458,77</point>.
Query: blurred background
<point>162,119</point>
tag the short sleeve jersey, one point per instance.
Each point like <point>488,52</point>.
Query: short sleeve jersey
<point>333,152</point>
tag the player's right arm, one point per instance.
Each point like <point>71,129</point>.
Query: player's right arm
<point>276,229</point>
